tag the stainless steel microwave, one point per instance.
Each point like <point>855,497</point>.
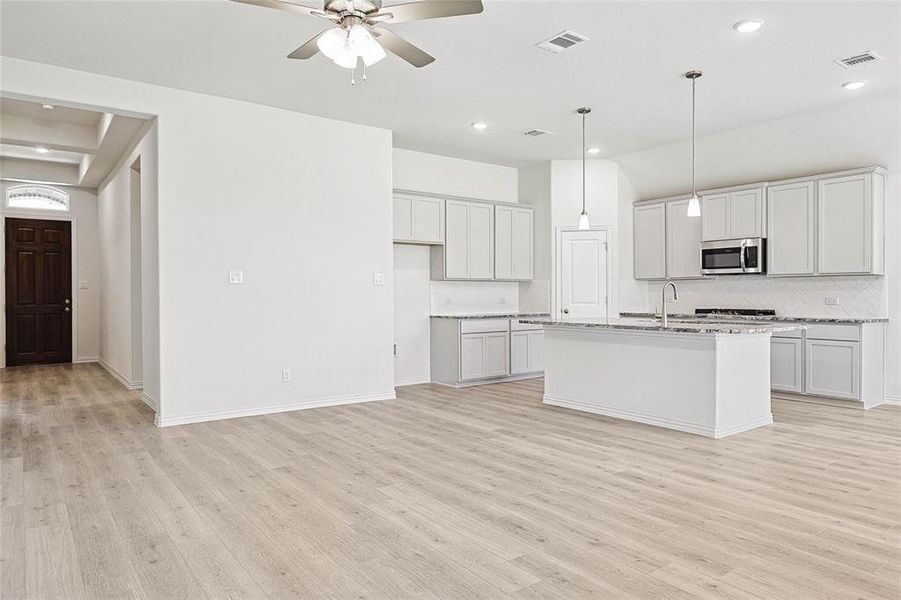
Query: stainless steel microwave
<point>733,257</point>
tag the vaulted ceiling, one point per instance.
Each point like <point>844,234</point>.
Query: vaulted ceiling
<point>489,69</point>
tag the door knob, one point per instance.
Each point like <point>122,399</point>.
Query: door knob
<point>67,301</point>
<point>66,309</point>
<point>565,311</point>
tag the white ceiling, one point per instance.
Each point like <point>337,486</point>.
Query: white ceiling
<point>488,68</point>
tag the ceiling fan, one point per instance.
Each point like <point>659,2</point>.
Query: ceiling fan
<point>358,32</point>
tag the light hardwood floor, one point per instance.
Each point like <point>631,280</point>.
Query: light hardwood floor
<point>474,493</point>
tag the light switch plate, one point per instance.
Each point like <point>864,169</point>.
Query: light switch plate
<point>832,301</point>
<point>82,284</point>
<point>378,279</point>
<point>236,276</point>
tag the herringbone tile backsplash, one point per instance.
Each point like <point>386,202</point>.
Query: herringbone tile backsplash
<point>790,296</point>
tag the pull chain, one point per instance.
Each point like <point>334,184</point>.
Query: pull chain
<point>364,71</point>
<point>353,76</point>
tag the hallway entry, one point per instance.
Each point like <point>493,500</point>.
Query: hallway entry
<point>38,291</point>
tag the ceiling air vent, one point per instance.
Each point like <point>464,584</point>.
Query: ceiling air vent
<point>562,41</point>
<point>858,59</point>
<point>535,132</point>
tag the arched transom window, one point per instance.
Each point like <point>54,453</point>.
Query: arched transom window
<point>37,197</point>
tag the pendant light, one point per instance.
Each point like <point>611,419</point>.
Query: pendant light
<point>584,224</point>
<point>694,203</point>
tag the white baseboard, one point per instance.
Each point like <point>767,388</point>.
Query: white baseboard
<point>893,400</point>
<point>153,403</point>
<point>678,425</point>
<point>86,359</point>
<point>508,379</point>
<point>413,381</point>
<point>235,413</point>
<point>131,385</point>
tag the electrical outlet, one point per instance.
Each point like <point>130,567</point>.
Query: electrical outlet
<point>445,301</point>
<point>236,277</point>
<point>83,284</point>
<point>286,375</point>
<point>832,301</point>
<point>503,300</point>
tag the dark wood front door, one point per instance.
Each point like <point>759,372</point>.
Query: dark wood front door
<point>38,291</point>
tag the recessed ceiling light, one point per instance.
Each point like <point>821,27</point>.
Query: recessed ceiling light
<point>47,106</point>
<point>478,125</point>
<point>853,85</point>
<point>748,25</point>
<point>41,150</point>
<point>594,151</point>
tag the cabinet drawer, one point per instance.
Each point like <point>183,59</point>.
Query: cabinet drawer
<point>831,331</point>
<point>484,325</point>
<point>515,325</point>
<point>796,334</point>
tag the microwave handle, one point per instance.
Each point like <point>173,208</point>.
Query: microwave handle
<point>741,257</point>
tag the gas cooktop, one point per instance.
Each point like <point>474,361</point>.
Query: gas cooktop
<point>747,312</point>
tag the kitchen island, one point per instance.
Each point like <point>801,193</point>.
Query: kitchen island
<point>711,379</point>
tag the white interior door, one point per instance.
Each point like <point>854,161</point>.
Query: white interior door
<point>583,274</point>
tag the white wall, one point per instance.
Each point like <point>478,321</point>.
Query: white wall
<point>86,322</point>
<point>535,191</point>
<point>236,191</point>
<point>122,200</point>
<point>861,133</point>
<point>411,314</point>
<point>421,172</point>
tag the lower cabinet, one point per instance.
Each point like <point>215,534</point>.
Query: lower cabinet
<point>833,360</point>
<point>833,368</point>
<point>787,364</point>
<point>469,351</point>
<point>526,352</point>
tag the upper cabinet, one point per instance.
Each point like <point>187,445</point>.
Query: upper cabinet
<point>728,215</point>
<point>468,251</point>
<point>790,222</point>
<point>683,241</point>
<point>418,220</point>
<point>513,245</point>
<point>832,224</point>
<point>649,240</point>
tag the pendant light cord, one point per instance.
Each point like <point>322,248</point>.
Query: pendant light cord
<point>693,187</point>
<point>583,163</point>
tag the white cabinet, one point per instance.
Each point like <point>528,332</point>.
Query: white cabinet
<point>418,220</point>
<point>790,227</point>
<point>484,355</point>
<point>649,240</point>
<point>845,232</point>
<point>734,214</point>
<point>787,364</point>
<point>468,251</point>
<point>833,368</point>
<point>526,352</point>
<point>683,241</point>
<point>513,235</point>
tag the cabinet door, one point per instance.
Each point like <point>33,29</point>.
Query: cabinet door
<point>519,352</point>
<point>503,242</point>
<point>790,229</point>
<point>746,214</point>
<point>833,368</point>
<point>523,233</point>
<point>787,364</point>
<point>536,351</point>
<point>716,218</point>
<point>649,241</point>
<point>497,357</point>
<point>472,356</point>
<point>427,220</point>
<point>456,240</point>
<point>683,241</point>
<point>403,218</point>
<point>845,224</point>
<point>481,241</point>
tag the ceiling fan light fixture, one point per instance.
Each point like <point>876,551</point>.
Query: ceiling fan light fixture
<point>365,46</point>
<point>332,43</point>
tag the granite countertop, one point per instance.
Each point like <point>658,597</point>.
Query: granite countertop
<point>519,315</point>
<point>755,318</point>
<point>650,324</point>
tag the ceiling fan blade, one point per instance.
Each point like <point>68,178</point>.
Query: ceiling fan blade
<point>431,9</point>
<point>279,5</point>
<point>394,43</point>
<point>309,49</point>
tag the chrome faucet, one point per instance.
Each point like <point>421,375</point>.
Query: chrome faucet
<point>675,297</point>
